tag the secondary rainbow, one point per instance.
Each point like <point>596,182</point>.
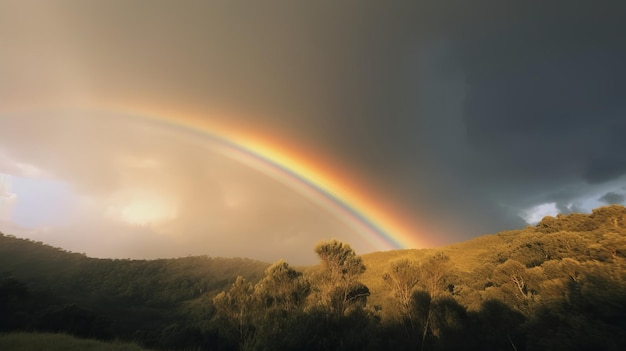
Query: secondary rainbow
<point>311,180</point>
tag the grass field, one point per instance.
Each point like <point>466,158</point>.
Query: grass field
<point>59,342</point>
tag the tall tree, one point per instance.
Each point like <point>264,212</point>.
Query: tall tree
<point>402,277</point>
<point>236,307</point>
<point>338,286</point>
<point>435,271</point>
<point>281,295</point>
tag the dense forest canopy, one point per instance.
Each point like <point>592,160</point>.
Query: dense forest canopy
<point>558,285</point>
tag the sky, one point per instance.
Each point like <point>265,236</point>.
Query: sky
<point>147,129</point>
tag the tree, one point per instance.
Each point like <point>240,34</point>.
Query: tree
<point>513,272</point>
<point>402,277</point>
<point>615,244</point>
<point>282,287</point>
<point>281,294</point>
<point>338,285</point>
<point>435,272</point>
<point>521,282</point>
<point>236,307</point>
<point>422,311</point>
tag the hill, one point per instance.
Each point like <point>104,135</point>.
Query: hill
<point>49,289</point>
<point>557,285</point>
<point>598,239</point>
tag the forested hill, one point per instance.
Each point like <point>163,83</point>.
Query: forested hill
<point>49,289</point>
<point>558,285</point>
<point>153,282</point>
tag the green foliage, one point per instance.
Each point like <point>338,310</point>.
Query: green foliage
<point>236,307</point>
<point>339,261</point>
<point>607,217</point>
<point>283,288</point>
<point>402,278</point>
<point>338,288</point>
<point>153,283</point>
<point>141,300</point>
<point>435,273</point>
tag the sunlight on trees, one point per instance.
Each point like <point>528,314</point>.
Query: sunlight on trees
<point>236,307</point>
<point>402,278</point>
<point>282,287</point>
<point>338,287</point>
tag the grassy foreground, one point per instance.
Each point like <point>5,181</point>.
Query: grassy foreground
<point>59,342</point>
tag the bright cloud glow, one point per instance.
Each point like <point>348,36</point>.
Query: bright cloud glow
<point>141,207</point>
<point>535,214</point>
<point>582,198</point>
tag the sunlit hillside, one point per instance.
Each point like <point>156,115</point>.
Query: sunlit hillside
<point>597,238</point>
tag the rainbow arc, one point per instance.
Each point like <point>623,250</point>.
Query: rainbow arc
<point>314,181</point>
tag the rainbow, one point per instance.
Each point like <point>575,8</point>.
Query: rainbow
<point>314,181</point>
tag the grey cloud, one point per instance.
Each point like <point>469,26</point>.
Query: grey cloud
<point>544,99</point>
<point>608,162</point>
<point>612,198</point>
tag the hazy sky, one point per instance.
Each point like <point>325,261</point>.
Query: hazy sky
<point>456,118</point>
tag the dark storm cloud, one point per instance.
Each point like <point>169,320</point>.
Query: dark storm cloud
<point>612,198</point>
<point>480,110</point>
<point>544,103</point>
<point>545,93</point>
